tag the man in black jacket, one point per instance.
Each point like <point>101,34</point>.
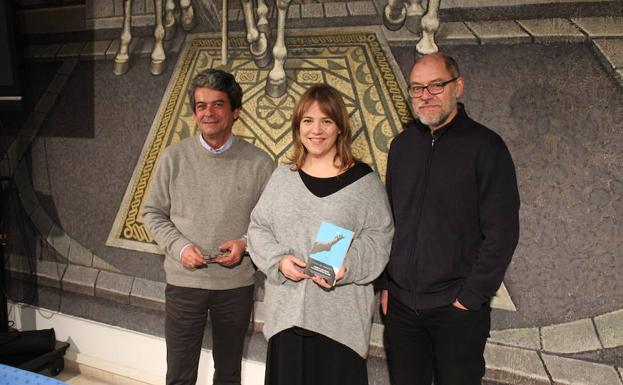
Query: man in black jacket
<point>453,191</point>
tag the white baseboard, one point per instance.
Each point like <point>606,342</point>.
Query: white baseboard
<point>116,350</point>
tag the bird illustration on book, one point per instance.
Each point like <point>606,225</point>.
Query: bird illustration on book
<point>326,246</point>
<point>328,251</point>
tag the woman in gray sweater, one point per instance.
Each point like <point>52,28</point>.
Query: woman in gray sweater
<point>318,333</point>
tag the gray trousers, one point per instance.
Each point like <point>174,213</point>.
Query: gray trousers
<point>186,315</point>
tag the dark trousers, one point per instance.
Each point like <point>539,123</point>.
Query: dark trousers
<point>186,314</point>
<point>445,342</point>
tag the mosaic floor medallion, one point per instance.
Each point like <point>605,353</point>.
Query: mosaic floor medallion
<point>356,63</point>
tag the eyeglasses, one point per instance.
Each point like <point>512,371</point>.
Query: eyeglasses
<point>433,88</point>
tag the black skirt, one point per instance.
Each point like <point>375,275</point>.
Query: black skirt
<point>299,357</point>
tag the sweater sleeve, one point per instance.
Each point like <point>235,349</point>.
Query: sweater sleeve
<point>157,211</point>
<point>382,282</point>
<point>499,225</point>
<point>369,251</point>
<point>263,247</point>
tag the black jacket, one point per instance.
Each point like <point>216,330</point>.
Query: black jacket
<point>456,211</point>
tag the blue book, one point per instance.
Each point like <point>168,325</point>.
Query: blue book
<point>328,251</point>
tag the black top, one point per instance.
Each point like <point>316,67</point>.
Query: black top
<point>322,187</point>
<point>455,203</point>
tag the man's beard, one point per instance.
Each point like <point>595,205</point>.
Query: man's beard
<point>436,120</point>
<point>445,110</point>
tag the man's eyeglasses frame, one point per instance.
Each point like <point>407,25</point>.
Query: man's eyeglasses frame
<point>433,88</point>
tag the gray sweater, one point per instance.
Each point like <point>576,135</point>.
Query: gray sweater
<point>202,198</point>
<point>286,220</point>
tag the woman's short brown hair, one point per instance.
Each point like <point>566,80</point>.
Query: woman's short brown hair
<point>331,103</point>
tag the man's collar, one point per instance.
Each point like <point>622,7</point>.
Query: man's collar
<point>226,146</point>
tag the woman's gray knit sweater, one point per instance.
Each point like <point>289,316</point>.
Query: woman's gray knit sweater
<point>286,220</point>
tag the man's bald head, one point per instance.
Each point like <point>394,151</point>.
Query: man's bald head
<point>451,65</point>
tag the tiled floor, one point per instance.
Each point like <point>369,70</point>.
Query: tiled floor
<point>72,377</point>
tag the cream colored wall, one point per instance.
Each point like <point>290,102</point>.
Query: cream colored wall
<point>118,351</point>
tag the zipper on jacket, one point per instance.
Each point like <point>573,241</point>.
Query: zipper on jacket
<point>429,163</point>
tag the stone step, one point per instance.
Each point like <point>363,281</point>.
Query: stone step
<point>481,10</point>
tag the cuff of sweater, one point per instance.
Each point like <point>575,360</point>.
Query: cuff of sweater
<point>178,246</point>
<point>381,283</point>
<point>471,299</point>
<point>274,275</point>
<point>181,251</point>
<point>348,276</point>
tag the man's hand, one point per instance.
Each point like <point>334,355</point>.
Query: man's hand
<point>233,250</point>
<point>384,299</point>
<point>323,282</point>
<point>292,268</point>
<point>192,257</point>
<point>458,305</point>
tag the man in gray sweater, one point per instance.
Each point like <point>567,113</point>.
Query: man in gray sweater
<point>198,211</point>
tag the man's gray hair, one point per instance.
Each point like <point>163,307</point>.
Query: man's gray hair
<point>218,80</point>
